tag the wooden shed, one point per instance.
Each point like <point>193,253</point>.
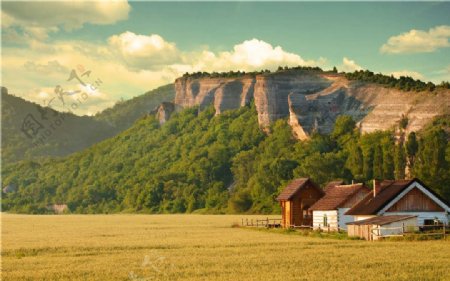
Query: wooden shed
<point>383,226</point>
<point>296,199</point>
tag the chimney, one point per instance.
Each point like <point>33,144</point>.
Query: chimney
<point>376,187</point>
<point>353,182</point>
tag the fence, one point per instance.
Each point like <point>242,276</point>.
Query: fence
<point>423,230</point>
<point>261,222</point>
<point>270,223</point>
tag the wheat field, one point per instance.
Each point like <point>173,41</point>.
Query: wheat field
<point>200,247</point>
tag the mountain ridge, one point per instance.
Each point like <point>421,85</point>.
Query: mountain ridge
<point>50,133</point>
<point>312,99</point>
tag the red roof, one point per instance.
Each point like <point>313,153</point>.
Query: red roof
<point>381,220</point>
<point>293,187</point>
<point>332,184</point>
<point>336,196</point>
<point>371,205</point>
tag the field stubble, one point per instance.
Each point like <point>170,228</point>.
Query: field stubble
<point>200,247</point>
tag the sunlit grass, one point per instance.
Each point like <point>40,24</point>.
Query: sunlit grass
<point>200,247</point>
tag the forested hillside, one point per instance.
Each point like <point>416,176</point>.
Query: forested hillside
<point>30,131</point>
<point>123,114</point>
<point>198,162</point>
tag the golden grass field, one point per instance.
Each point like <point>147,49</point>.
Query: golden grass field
<point>200,247</point>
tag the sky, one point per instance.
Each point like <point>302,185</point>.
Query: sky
<point>123,49</point>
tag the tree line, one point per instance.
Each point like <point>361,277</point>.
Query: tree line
<point>199,162</point>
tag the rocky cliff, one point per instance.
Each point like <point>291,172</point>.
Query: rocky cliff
<point>313,100</point>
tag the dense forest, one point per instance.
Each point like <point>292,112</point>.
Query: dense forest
<point>404,83</point>
<point>199,162</point>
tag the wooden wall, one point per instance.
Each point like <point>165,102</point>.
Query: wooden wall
<point>362,231</point>
<point>414,201</point>
<point>293,211</point>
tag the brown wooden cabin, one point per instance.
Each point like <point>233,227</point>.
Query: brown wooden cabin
<point>295,200</point>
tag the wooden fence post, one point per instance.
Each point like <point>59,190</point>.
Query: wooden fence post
<point>252,222</point>
<point>242,222</point>
<point>443,227</point>
<point>403,227</point>
<point>246,222</point>
<point>267,224</point>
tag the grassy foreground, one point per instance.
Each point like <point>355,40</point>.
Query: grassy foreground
<point>200,247</point>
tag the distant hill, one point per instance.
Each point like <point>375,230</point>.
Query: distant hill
<point>30,131</point>
<point>123,114</point>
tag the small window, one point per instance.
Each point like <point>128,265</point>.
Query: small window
<point>325,220</point>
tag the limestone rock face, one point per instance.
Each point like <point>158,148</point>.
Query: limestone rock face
<point>164,111</point>
<point>272,91</point>
<point>312,101</point>
<point>224,93</point>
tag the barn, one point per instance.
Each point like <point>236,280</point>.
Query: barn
<point>383,226</point>
<point>329,211</point>
<point>402,197</point>
<point>392,204</point>
<point>296,199</point>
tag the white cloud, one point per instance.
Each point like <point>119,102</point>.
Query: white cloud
<point>249,55</point>
<point>68,14</point>
<point>418,41</point>
<point>407,73</point>
<point>35,19</point>
<point>144,52</point>
<point>129,64</point>
<point>45,68</point>
<point>349,65</point>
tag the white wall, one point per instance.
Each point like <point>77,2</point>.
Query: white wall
<point>332,218</point>
<point>343,219</point>
<point>393,228</point>
<point>421,216</point>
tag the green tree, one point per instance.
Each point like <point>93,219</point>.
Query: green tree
<point>400,161</point>
<point>355,161</point>
<point>411,149</point>
<point>387,145</point>
<point>344,125</point>
<point>431,164</point>
<point>378,162</point>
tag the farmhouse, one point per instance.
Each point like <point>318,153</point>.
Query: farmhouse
<point>405,202</point>
<point>295,201</point>
<point>329,211</point>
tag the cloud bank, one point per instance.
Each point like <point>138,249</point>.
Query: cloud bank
<point>418,41</point>
<point>128,64</point>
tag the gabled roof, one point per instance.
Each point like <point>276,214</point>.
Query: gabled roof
<point>293,187</point>
<point>389,190</point>
<point>332,184</point>
<point>381,220</point>
<point>336,196</point>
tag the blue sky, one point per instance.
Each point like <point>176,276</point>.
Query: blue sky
<point>150,43</point>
